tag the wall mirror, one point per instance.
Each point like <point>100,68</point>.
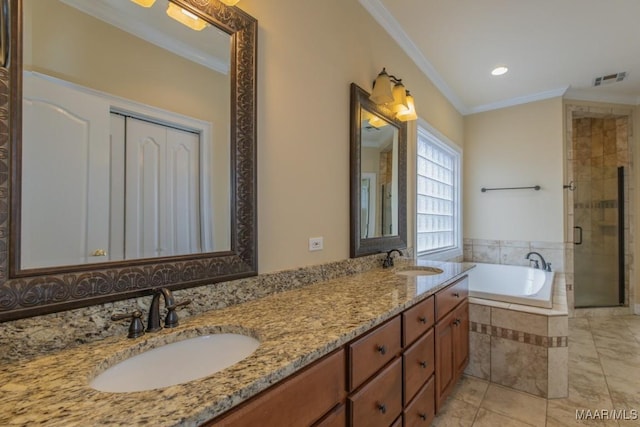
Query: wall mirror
<point>131,150</point>
<point>378,177</point>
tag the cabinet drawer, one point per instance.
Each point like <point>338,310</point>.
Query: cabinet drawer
<point>303,399</point>
<point>418,365</point>
<point>374,350</point>
<point>336,418</point>
<point>379,402</point>
<point>421,411</point>
<point>451,296</point>
<point>417,320</point>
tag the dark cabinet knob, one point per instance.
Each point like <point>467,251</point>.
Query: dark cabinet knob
<point>422,416</point>
<point>457,322</point>
<point>382,408</point>
<point>456,294</point>
<point>422,320</point>
<point>423,364</point>
<point>382,349</point>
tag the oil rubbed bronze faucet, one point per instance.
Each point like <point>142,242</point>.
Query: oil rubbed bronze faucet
<point>388,261</point>
<point>545,266</point>
<point>171,320</point>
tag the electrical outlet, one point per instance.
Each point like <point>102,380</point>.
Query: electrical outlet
<point>315,244</point>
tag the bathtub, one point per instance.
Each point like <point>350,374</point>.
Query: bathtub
<point>512,284</point>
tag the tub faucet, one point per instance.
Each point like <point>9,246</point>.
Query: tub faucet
<point>545,266</point>
<point>171,320</point>
<point>388,261</point>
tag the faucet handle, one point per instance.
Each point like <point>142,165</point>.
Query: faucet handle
<point>548,266</point>
<point>136,328</point>
<point>171,321</point>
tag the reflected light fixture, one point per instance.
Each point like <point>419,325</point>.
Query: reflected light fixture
<point>230,2</point>
<point>397,99</point>
<point>185,17</point>
<point>376,122</point>
<point>144,3</point>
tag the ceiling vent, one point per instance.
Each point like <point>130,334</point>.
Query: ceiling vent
<point>610,78</point>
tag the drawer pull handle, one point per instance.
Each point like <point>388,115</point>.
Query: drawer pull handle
<point>456,294</point>
<point>382,408</point>
<point>456,322</point>
<point>422,320</point>
<point>422,416</point>
<point>382,349</point>
<point>423,364</point>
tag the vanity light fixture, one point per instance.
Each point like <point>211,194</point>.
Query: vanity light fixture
<point>397,99</point>
<point>144,3</point>
<point>230,2</point>
<point>410,114</point>
<point>185,17</point>
<point>498,71</point>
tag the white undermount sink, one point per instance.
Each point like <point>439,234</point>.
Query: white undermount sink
<point>420,271</point>
<point>176,363</point>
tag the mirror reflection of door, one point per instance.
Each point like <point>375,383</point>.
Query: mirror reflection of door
<point>378,158</point>
<point>368,205</point>
<point>117,187</point>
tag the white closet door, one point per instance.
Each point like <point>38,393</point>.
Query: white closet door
<point>146,144</point>
<point>162,200</point>
<point>183,192</point>
<point>65,175</point>
<point>118,174</point>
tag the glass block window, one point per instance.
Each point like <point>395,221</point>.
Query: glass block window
<point>438,224</point>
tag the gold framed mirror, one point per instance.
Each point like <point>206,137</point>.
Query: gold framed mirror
<point>44,286</point>
<point>378,174</point>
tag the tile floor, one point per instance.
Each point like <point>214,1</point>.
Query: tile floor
<point>604,373</point>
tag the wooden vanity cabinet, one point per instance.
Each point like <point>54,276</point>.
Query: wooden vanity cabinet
<point>397,374</point>
<point>451,338</point>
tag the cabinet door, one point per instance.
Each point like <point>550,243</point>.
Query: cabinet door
<point>445,363</point>
<point>461,338</point>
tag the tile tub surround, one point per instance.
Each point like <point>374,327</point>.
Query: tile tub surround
<point>600,377</point>
<point>34,336</point>
<point>521,347</point>
<point>513,252</point>
<point>294,327</point>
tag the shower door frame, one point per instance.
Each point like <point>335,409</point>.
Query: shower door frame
<point>578,109</point>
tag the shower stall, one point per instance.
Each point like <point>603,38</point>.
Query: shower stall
<point>600,161</point>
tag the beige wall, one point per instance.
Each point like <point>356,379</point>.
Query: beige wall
<point>513,147</point>
<point>309,53</point>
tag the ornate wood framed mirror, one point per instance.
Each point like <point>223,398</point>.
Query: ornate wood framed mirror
<point>32,285</point>
<point>378,177</point>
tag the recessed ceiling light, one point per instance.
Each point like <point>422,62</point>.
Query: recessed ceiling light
<point>498,71</point>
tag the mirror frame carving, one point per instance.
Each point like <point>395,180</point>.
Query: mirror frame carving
<point>26,293</point>
<point>359,246</point>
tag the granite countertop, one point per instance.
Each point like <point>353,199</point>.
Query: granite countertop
<point>294,328</point>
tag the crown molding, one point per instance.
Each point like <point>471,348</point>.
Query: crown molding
<point>540,96</point>
<point>591,95</point>
<point>389,23</point>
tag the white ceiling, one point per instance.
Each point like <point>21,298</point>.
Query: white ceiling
<point>552,48</point>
